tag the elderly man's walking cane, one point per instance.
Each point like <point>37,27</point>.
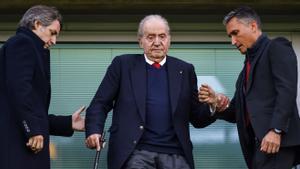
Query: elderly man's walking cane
<point>102,144</point>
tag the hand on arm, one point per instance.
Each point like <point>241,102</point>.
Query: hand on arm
<point>36,143</point>
<point>77,120</point>
<point>222,102</point>
<point>207,95</point>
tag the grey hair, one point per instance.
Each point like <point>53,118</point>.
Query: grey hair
<point>244,14</point>
<point>150,17</point>
<point>44,14</point>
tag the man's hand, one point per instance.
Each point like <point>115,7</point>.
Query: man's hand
<point>222,102</point>
<point>93,141</point>
<point>36,143</point>
<point>77,120</point>
<point>207,95</point>
<point>271,143</point>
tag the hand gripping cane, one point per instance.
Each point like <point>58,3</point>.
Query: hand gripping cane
<point>102,144</point>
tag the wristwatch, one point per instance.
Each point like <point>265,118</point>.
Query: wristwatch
<point>277,131</point>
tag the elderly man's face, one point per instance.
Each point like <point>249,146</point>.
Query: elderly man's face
<point>49,33</point>
<point>243,35</point>
<point>156,40</point>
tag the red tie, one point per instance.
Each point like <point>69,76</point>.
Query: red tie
<point>248,66</point>
<point>156,65</point>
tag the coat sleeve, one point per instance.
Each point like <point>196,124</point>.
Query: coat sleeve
<point>229,113</point>
<point>20,66</point>
<point>283,62</point>
<point>60,125</point>
<point>103,100</point>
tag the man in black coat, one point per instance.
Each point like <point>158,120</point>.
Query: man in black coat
<point>25,93</point>
<point>154,98</point>
<point>264,103</point>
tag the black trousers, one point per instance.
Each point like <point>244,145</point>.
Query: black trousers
<point>142,159</point>
<point>284,159</point>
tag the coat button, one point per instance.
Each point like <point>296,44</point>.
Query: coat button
<point>134,142</point>
<point>141,127</point>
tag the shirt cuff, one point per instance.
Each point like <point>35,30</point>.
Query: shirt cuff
<point>212,109</point>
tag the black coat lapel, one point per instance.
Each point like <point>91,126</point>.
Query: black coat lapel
<point>139,83</point>
<point>175,74</point>
<point>263,47</point>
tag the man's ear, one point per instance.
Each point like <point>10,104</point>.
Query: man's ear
<point>37,25</point>
<point>140,42</point>
<point>254,26</point>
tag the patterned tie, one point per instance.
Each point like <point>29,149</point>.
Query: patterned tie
<point>156,65</point>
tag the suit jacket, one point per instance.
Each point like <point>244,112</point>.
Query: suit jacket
<point>270,96</point>
<point>123,89</point>
<point>24,101</point>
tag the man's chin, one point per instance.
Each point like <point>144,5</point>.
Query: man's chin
<point>158,55</point>
<point>242,51</point>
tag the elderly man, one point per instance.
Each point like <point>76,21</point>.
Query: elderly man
<point>25,93</point>
<point>153,97</point>
<point>264,103</point>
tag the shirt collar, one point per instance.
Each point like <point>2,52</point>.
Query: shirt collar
<point>150,62</point>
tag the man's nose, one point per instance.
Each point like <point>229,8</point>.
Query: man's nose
<point>233,40</point>
<point>53,40</point>
<point>157,40</point>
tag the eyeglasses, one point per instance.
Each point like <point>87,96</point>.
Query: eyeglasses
<point>151,38</point>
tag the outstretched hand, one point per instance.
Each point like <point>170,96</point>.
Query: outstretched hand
<point>77,120</point>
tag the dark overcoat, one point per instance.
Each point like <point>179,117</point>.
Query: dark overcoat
<point>24,101</point>
<point>269,97</point>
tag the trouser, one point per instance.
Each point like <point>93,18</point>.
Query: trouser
<point>284,159</point>
<point>143,159</point>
